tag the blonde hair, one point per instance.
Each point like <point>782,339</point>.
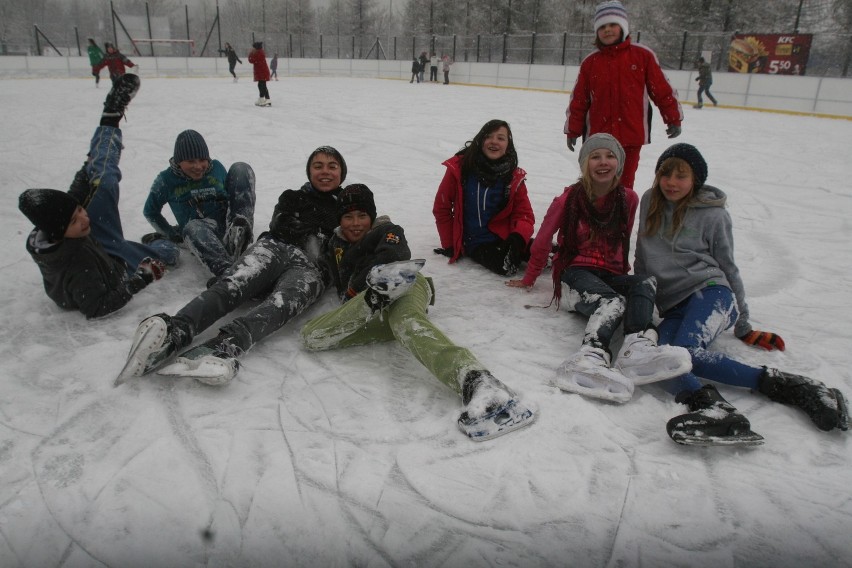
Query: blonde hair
<point>586,179</point>
<point>654,221</point>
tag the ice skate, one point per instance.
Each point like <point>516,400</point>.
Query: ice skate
<point>491,408</point>
<point>643,361</point>
<point>588,373</point>
<point>214,362</point>
<point>713,421</point>
<point>826,407</point>
<point>152,345</point>
<point>122,92</point>
<point>392,280</point>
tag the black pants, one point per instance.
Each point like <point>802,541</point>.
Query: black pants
<point>261,88</point>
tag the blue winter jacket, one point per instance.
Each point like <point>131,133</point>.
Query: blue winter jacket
<point>206,198</point>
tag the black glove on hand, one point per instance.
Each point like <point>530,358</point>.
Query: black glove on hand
<point>448,252</point>
<point>673,131</point>
<point>150,269</point>
<point>572,141</point>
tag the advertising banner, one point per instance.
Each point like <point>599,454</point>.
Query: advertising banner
<point>777,54</point>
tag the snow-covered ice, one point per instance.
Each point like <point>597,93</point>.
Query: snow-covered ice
<point>353,457</point>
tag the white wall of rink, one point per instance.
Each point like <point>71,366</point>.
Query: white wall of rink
<point>810,95</point>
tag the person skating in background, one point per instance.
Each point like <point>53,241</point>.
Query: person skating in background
<point>96,55</point>
<point>594,220</point>
<point>415,70</point>
<point>233,59</point>
<point>214,209</point>
<point>282,271</point>
<point>273,66</point>
<point>705,80</point>
<point>686,243</point>
<point>446,62</point>
<point>421,71</point>
<point>78,273</point>
<point>386,299</point>
<point>115,61</point>
<point>261,73</point>
<point>614,90</point>
<point>482,209</point>
<point>433,67</point>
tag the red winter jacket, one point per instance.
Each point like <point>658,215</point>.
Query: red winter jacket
<point>115,62</point>
<point>258,59</point>
<point>517,217</point>
<point>612,95</point>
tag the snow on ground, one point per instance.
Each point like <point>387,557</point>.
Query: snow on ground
<point>353,457</point>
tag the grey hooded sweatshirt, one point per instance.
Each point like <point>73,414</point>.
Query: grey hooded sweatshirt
<point>699,255</point>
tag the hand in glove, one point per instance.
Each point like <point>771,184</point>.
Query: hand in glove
<point>673,131</point>
<point>764,339</point>
<point>147,271</point>
<point>448,252</point>
<point>572,141</point>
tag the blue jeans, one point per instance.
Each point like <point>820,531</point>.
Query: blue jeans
<point>105,175</point>
<point>694,324</point>
<point>607,298</point>
<point>206,237</point>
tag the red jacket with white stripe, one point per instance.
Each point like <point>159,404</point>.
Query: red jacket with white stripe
<point>613,93</point>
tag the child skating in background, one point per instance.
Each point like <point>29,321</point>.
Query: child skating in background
<point>686,242</point>
<point>594,219</point>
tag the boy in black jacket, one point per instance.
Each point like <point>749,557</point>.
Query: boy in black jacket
<point>283,269</point>
<point>77,243</point>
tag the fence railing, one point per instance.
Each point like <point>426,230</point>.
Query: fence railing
<point>830,55</point>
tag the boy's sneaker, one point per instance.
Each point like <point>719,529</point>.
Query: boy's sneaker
<point>588,373</point>
<point>643,361</point>
<point>826,407</point>
<point>713,421</point>
<point>215,362</point>
<point>122,92</point>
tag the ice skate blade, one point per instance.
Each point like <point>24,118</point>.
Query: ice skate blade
<point>593,385</point>
<point>209,370</point>
<point>507,418</point>
<point>745,439</point>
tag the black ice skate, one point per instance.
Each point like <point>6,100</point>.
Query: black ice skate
<point>826,407</point>
<point>712,422</point>
<point>122,92</point>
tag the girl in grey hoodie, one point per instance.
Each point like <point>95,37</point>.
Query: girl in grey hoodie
<point>686,242</point>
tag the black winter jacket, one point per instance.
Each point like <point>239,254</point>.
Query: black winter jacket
<point>350,263</point>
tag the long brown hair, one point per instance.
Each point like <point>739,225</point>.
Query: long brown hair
<point>473,148</point>
<point>654,221</point>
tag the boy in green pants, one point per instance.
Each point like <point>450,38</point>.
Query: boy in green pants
<point>385,298</point>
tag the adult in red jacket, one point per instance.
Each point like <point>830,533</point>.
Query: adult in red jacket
<point>261,73</point>
<point>482,209</point>
<point>614,90</point>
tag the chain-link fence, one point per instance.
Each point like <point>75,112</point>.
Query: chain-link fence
<point>830,53</point>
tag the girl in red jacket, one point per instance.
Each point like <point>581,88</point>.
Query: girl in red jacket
<point>614,89</point>
<point>482,209</point>
<point>261,73</point>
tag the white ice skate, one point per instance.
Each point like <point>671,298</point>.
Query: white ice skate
<point>588,373</point>
<point>643,361</point>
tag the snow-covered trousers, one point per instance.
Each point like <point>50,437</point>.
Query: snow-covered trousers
<point>694,324</point>
<point>606,298</point>
<point>105,175</point>
<point>406,321</point>
<point>282,274</point>
<point>206,238</point>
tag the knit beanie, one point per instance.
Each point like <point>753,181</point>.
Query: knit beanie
<point>602,140</point>
<point>190,145</point>
<point>611,12</point>
<point>329,151</point>
<point>689,154</point>
<point>257,45</point>
<point>50,210</point>
<point>356,197</point>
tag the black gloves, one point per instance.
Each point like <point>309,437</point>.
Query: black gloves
<point>572,141</point>
<point>673,131</point>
